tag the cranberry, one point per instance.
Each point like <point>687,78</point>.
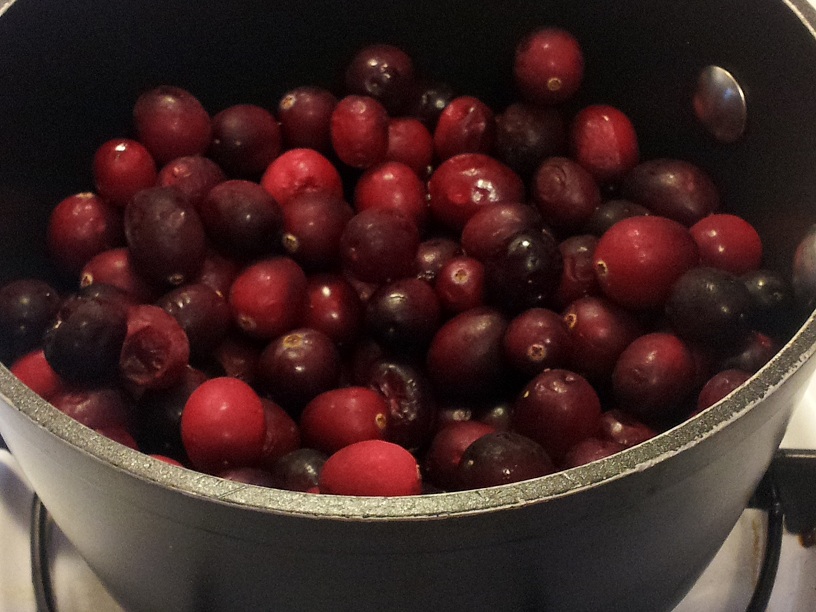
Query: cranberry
<point>428,99</point>
<point>527,134</point>
<point>299,470</point>
<point>624,429</point>
<point>282,436</point>
<point>237,356</point>
<point>332,307</point>
<point>99,407</point>
<point>610,212</point>
<point>672,188</point>
<point>36,373</point>
<point>305,116</point>
<point>410,143</point>
<point>578,277</point>
<point>467,125</point>
<point>223,425</point>
<point>115,267</point>
<point>392,186</point>
<point>537,340</point>
<point>384,72</point>
<point>301,170</point>
<point>359,131</point>
<point>720,385</point>
<point>460,284</point>
<point>379,245</point>
<point>170,122</point>
<point>165,236</point>
<point>245,140</point>
<point>771,298</point>
<point>728,242</point>
<point>548,67</point>
<point>462,185</point>
<point>218,272</point>
<point>267,297</point>
<point>434,253</point>
<point>750,355</point>
<point>558,408</point>
<point>639,259</point>
<point>121,167</point>
<point>603,140</point>
<point>313,224</point>
<point>373,468</point>
<point>81,226</point>
<point>340,417</point>
<point>192,175</point>
<point>202,313</point>
<point>589,450</point>
<point>441,464</point>
<point>653,377</point>
<point>501,458</point>
<point>565,194</point>
<point>27,308</point>
<point>488,231</point>
<point>242,219</point>
<point>298,366</point>
<point>403,315</point>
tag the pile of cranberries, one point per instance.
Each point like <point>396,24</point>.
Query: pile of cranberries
<point>394,290</point>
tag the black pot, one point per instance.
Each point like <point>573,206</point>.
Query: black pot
<point>631,532</point>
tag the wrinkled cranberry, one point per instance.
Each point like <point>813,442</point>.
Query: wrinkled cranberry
<point>578,277</point>
<point>467,125</point>
<point>565,194</point>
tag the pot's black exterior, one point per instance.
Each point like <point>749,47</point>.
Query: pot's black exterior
<point>628,533</point>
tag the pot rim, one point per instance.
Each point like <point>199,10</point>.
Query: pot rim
<point>690,433</point>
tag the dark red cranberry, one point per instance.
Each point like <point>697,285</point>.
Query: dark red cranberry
<point>282,435</point>
<point>548,67</point>
<point>299,470</point>
<point>599,331</point>
<point>223,425</point>
<point>434,253</point>
<point>245,140</point>
<point>237,356</point>
<point>720,385</point>
<point>218,272</point>
<point>372,468</point>
<point>305,116</point>
<point>340,417</point>
<point>392,186</point>
<point>115,267</point>
<point>428,99</point>
<point>653,377</point>
<point>267,297</point>
<point>589,450</point>
<point>465,358</point>
<point>527,134</point>
<point>81,226</point>
<point>170,122</point>
<point>379,245</point>
<point>672,188</point>
<point>728,242</point>
<point>242,219</point>
<point>638,260</point>
<point>410,143</point>
<point>27,309</point>
<point>610,212</point>
<point>771,300</point>
<point>384,72</point>
<point>333,307</point>
<point>460,284</point>
<point>298,171</point>
<point>202,313</point>
<point>359,131</point>
<point>751,354</point>
<point>467,125</point>
<point>454,413</point>
<point>558,408</point>
<point>404,315</point>
<point>603,140</point>
<point>192,175</point>
<point>298,366</point>
<point>578,277</point>
<point>165,236</point>
<point>501,458</point>
<point>565,194</point>
<point>488,231</point>
<point>98,407</point>
<point>497,414</point>
<point>618,426</point>
<point>441,462</point>
<point>313,223</point>
<point>36,373</point>
<point>537,340</point>
<point>464,184</point>
<point>121,167</point>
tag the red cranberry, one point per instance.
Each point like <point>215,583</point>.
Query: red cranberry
<point>537,340</point>
<point>99,407</point>
<point>578,273</point>
<point>467,125</point>
<point>549,66</point>
<point>639,259</point>
<point>27,308</point>
<point>313,223</point>
<point>305,116</point>
<point>460,284</point>
<point>192,175</point>
<point>527,134</point>
<point>410,143</point>
<point>403,315</point>
<point>332,306</point>
<point>245,140</point>
<point>720,385</point>
<point>489,230</point>
<point>223,425</point>
<point>282,436</point>
<point>373,468</point>
<point>501,458</point>
<point>115,267</point>
<point>589,450</point>
<point>359,131</point>
<point>121,167</point>
<point>384,72</point>
<point>202,313</point>
<point>565,194</point>
<point>170,122</point>
<point>301,170</point>
<point>379,245</point>
<point>299,470</point>
<point>441,464</point>
<point>434,253</point>
<point>34,371</point>
<point>603,140</point>
<point>392,186</point>
<point>728,242</point>
<point>624,429</point>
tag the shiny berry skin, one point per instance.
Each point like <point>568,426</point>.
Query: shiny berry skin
<point>282,435</point>
<point>392,186</point>
<point>589,450</point>
<point>672,188</point>
<point>27,309</point>
<point>728,242</point>
<point>578,273</point>
<point>460,284</point>
<point>434,253</point>
<point>299,470</point>
<point>333,307</point>
<point>720,385</point>
<point>121,167</point>
<point>565,194</point>
<point>202,313</point>
<point>467,125</point>
<point>245,140</point>
<point>428,99</point>
<point>359,131</point>
<point>81,226</point>
<point>98,407</point>
<point>305,116</point>
<point>624,429</point>
<point>558,408</point>
<point>313,223</point>
<point>501,458</point>
<point>339,417</point>
<point>410,143</point>
<point>371,468</point>
<point>192,175</point>
<point>115,267</point>
<point>527,134</point>
<point>603,140</point>
<point>165,236</point>
<point>223,425</point>
<point>548,67</point>
<point>771,298</point>
<point>653,377</point>
<point>489,230</point>
<point>462,185</point>
<point>638,260</point>
<point>35,373</point>
<point>379,245</point>
<point>404,315</point>
<point>298,171</point>
<point>536,340</point>
<point>267,297</point>
<point>170,122</point>
<point>384,72</point>
<point>610,212</point>
<point>441,461</point>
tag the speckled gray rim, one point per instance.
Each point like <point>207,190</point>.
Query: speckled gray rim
<point>424,507</point>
